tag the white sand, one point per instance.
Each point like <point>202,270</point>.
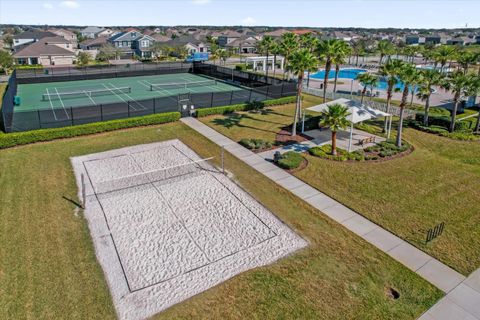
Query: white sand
<point>163,242</point>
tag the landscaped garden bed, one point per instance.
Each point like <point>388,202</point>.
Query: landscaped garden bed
<point>385,150</point>
<point>256,145</point>
<point>291,161</point>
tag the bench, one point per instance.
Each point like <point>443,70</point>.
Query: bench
<point>364,141</point>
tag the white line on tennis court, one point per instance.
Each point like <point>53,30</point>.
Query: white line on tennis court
<point>158,89</point>
<point>61,101</point>
<point>89,97</point>
<point>103,84</point>
<point>138,103</point>
<point>51,104</point>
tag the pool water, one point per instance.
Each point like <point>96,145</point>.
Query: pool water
<point>352,74</point>
<point>343,73</point>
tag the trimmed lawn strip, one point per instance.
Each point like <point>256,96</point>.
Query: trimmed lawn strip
<point>48,267</point>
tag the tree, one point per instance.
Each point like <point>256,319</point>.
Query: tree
<point>309,42</point>
<point>407,75</point>
<point>326,51</point>
<point>335,118</point>
<point>358,48</point>
<point>6,61</point>
<point>343,51</point>
<point>458,83</point>
<point>265,47</point>
<point>443,54</point>
<point>275,49</point>
<point>83,58</point>
<point>390,71</point>
<point>367,80</point>
<point>158,50</point>
<point>288,44</point>
<point>428,79</point>
<point>300,61</point>
<point>475,90</point>
<point>8,39</point>
<point>465,59</point>
<point>224,55</point>
<point>385,48</point>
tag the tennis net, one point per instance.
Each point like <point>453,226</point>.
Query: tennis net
<point>148,177</point>
<point>183,85</point>
<point>84,93</point>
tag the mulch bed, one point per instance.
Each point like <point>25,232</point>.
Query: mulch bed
<point>284,137</point>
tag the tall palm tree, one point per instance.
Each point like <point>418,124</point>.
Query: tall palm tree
<point>465,59</point>
<point>265,47</point>
<point>385,48</point>
<point>443,54</point>
<point>288,44</point>
<point>309,42</point>
<point>300,61</point>
<point>390,71</point>
<point>367,80</point>
<point>458,83</point>
<point>327,49</point>
<point>428,79</point>
<point>335,118</point>
<point>358,49</point>
<point>275,50</point>
<point>343,51</point>
<point>474,90</point>
<point>407,75</point>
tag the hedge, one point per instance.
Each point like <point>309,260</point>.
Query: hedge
<point>242,107</point>
<point>443,121</point>
<point>21,138</point>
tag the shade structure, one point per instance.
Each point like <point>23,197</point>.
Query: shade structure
<point>358,113</point>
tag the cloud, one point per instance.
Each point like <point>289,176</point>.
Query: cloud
<point>200,2</point>
<point>248,21</point>
<point>48,6</point>
<point>69,4</point>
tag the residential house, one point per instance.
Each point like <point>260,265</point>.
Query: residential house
<point>91,32</point>
<point>160,37</point>
<point>133,42</point>
<point>275,33</point>
<point>227,37</point>
<point>93,44</point>
<point>434,39</point>
<point>67,35</point>
<point>192,44</point>
<point>243,45</point>
<point>412,39</point>
<point>29,37</point>
<point>107,33</point>
<point>46,51</point>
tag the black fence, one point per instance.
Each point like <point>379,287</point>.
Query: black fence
<point>7,103</point>
<point>251,87</point>
<point>54,74</point>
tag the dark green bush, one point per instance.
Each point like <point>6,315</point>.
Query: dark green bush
<point>241,107</point>
<point>255,144</point>
<point>444,121</point>
<point>290,160</point>
<point>21,138</point>
<point>241,67</point>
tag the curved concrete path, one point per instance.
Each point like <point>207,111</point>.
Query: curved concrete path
<point>463,294</point>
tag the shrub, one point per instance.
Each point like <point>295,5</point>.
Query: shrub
<point>290,160</point>
<point>241,107</point>
<point>256,144</point>
<point>241,67</point>
<point>21,138</point>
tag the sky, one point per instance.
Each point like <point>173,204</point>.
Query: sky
<point>309,13</point>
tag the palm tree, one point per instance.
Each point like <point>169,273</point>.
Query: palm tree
<point>385,48</point>
<point>443,54</point>
<point>473,91</point>
<point>358,48</point>
<point>335,118</point>
<point>300,61</point>
<point>465,59</point>
<point>367,80</point>
<point>428,79</point>
<point>390,71</point>
<point>339,58</point>
<point>326,51</point>
<point>309,42</point>
<point>407,75</point>
<point>458,83</point>
<point>275,49</point>
<point>288,44</point>
<point>265,47</point>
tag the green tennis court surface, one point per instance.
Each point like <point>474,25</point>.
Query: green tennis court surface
<point>58,95</point>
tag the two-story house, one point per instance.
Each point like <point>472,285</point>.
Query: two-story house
<point>91,32</point>
<point>228,37</point>
<point>133,43</point>
<point>28,37</point>
<point>67,35</point>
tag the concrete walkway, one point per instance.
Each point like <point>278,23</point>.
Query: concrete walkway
<point>462,294</point>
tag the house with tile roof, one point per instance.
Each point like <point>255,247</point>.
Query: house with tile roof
<point>46,51</point>
<point>28,37</point>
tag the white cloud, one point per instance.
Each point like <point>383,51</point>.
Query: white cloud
<point>69,4</point>
<point>248,21</point>
<point>48,6</point>
<point>201,2</point>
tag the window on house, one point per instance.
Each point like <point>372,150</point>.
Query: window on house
<point>119,44</point>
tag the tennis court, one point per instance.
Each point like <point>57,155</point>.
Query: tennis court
<point>168,224</point>
<point>60,96</point>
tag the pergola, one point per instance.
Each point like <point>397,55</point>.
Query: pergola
<point>264,61</point>
<point>358,113</point>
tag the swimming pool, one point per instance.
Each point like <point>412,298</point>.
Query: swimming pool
<point>343,73</point>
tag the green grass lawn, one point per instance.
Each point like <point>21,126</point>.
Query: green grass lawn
<point>439,182</point>
<point>48,268</point>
